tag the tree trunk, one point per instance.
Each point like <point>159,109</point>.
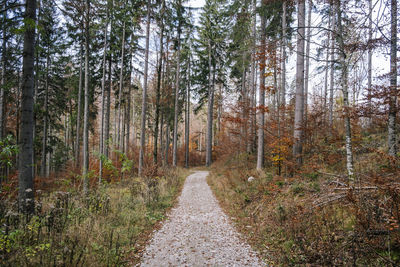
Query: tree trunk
<point>25,170</point>
<point>36,86</point>
<point>108,107</point>
<point>121,87</point>
<point>3,77</point>
<point>299,106</point>
<point>78,116</point>
<point>167,141</point>
<point>332,74</point>
<point>253,119</point>
<point>261,106</point>
<point>328,39</point>
<point>307,66</point>
<point>161,139</point>
<point>128,108</point>
<point>392,131</point>
<point>43,171</point>
<point>283,86</point>
<point>210,109</point>
<point>86,106</point>
<point>243,124</point>
<point>344,85</point>
<point>144,96</point>
<point>158,89</point>
<point>177,85</point>
<point>369,72</point>
<point>187,117</point>
<point>103,83</point>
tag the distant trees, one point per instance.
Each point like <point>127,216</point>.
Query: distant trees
<point>98,86</point>
<point>211,49</point>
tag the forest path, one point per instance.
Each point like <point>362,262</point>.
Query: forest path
<point>198,233</point>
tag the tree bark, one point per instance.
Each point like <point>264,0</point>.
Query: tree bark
<point>129,103</point>
<point>251,146</point>
<point>103,83</point>
<point>392,131</point>
<point>177,85</point>
<point>328,39</point>
<point>36,86</point>
<point>261,123</point>
<point>243,124</point>
<point>158,89</point>
<point>144,96</point>
<point>43,171</point>
<point>307,66</point>
<point>283,85</point>
<point>187,117</point>
<point>3,77</point>
<point>344,85</point>
<point>332,74</point>
<point>25,170</point>
<point>121,87</point>
<point>108,107</point>
<point>369,72</point>
<point>78,116</point>
<point>210,109</point>
<point>86,105</point>
<point>299,106</point>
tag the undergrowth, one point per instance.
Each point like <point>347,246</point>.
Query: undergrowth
<point>109,227</point>
<point>313,218</point>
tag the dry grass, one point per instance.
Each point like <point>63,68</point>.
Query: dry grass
<point>307,219</point>
<point>108,228</point>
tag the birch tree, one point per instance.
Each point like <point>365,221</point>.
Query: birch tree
<point>345,91</point>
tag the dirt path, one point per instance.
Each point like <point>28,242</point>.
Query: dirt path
<point>198,233</point>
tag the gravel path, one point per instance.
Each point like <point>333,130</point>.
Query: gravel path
<point>198,233</point>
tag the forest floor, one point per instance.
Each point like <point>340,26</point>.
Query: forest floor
<point>313,218</point>
<point>198,233</point>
